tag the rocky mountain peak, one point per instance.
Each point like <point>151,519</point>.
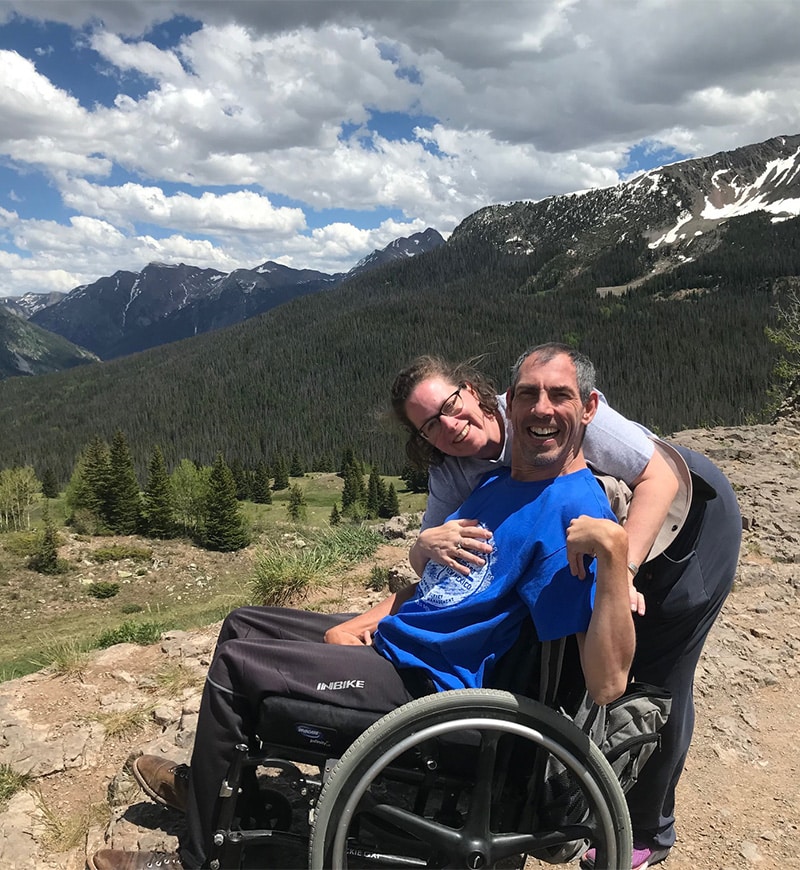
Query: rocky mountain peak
<point>672,207</point>
<point>399,249</point>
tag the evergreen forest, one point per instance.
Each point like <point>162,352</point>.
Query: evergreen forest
<point>682,348</point>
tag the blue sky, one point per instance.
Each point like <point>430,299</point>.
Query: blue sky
<point>310,133</point>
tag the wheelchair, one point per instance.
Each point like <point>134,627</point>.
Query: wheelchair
<point>449,780</point>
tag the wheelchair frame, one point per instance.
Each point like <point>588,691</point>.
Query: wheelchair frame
<point>447,780</point>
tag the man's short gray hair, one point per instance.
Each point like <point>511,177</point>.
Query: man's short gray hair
<point>584,368</point>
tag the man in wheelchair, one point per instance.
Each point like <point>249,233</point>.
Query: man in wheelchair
<point>558,558</point>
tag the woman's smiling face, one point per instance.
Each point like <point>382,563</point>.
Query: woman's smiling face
<point>450,417</point>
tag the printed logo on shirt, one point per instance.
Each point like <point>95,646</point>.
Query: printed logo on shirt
<point>442,586</point>
<point>340,684</point>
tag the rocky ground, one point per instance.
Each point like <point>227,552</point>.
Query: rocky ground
<point>738,801</point>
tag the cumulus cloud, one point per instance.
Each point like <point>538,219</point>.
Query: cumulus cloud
<point>242,211</point>
<point>229,146</point>
<point>30,104</point>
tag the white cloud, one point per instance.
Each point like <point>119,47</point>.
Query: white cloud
<point>30,104</point>
<point>242,211</point>
<point>507,99</point>
<point>143,57</point>
<point>343,245</point>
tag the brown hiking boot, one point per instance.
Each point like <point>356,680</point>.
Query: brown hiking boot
<point>115,859</point>
<point>165,781</point>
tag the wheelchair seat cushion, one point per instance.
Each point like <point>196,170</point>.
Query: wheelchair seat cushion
<point>311,726</point>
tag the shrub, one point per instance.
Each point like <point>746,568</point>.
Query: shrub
<point>131,608</point>
<point>118,552</point>
<point>414,522</point>
<point>48,566</point>
<point>283,575</point>
<point>102,589</point>
<point>21,543</point>
<point>10,783</point>
<point>143,633</point>
<point>378,578</point>
<point>85,522</point>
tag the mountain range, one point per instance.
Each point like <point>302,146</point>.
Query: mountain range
<point>131,311</point>
<point>667,281</point>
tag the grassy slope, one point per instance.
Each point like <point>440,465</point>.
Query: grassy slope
<point>43,618</point>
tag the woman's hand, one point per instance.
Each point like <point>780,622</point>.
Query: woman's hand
<point>590,536</point>
<point>637,599</point>
<point>453,544</point>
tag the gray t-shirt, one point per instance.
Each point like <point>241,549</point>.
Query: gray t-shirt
<point>612,445</point>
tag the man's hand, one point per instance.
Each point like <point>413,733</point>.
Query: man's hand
<point>340,635</point>
<point>358,630</point>
<point>587,536</point>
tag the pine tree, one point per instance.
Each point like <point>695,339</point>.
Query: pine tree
<point>280,473</point>
<point>242,480</point>
<point>349,461</point>
<point>88,489</point>
<point>296,468</point>
<point>352,490</point>
<point>297,505</point>
<point>159,508</point>
<point>49,483</point>
<point>390,506</point>
<point>416,479</point>
<point>261,490</point>
<point>224,525</point>
<point>373,501</point>
<point>786,335</point>
<point>45,559</point>
<point>335,518</point>
<point>124,501</point>
<point>323,463</point>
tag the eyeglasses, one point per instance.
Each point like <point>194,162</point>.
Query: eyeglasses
<point>451,406</point>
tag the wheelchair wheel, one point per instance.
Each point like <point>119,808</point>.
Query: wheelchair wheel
<point>359,821</point>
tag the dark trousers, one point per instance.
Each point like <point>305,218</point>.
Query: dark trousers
<point>262,651</point>
<point>684,590</point>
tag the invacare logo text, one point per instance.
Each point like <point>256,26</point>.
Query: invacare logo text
<point>340,684</point>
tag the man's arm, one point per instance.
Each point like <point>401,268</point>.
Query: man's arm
<point>607,646</point>
<point>359,630</point>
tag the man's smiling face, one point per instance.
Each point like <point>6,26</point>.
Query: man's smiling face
<point>548,419</point>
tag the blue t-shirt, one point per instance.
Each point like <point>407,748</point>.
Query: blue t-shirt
<point>456,627</point>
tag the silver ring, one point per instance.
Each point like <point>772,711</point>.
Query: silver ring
<point>459,545</point>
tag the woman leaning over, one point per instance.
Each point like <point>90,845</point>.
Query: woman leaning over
<point>684,530</point>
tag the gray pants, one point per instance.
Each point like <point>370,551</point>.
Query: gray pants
<point>272,651</point>
<point>684,589</point>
